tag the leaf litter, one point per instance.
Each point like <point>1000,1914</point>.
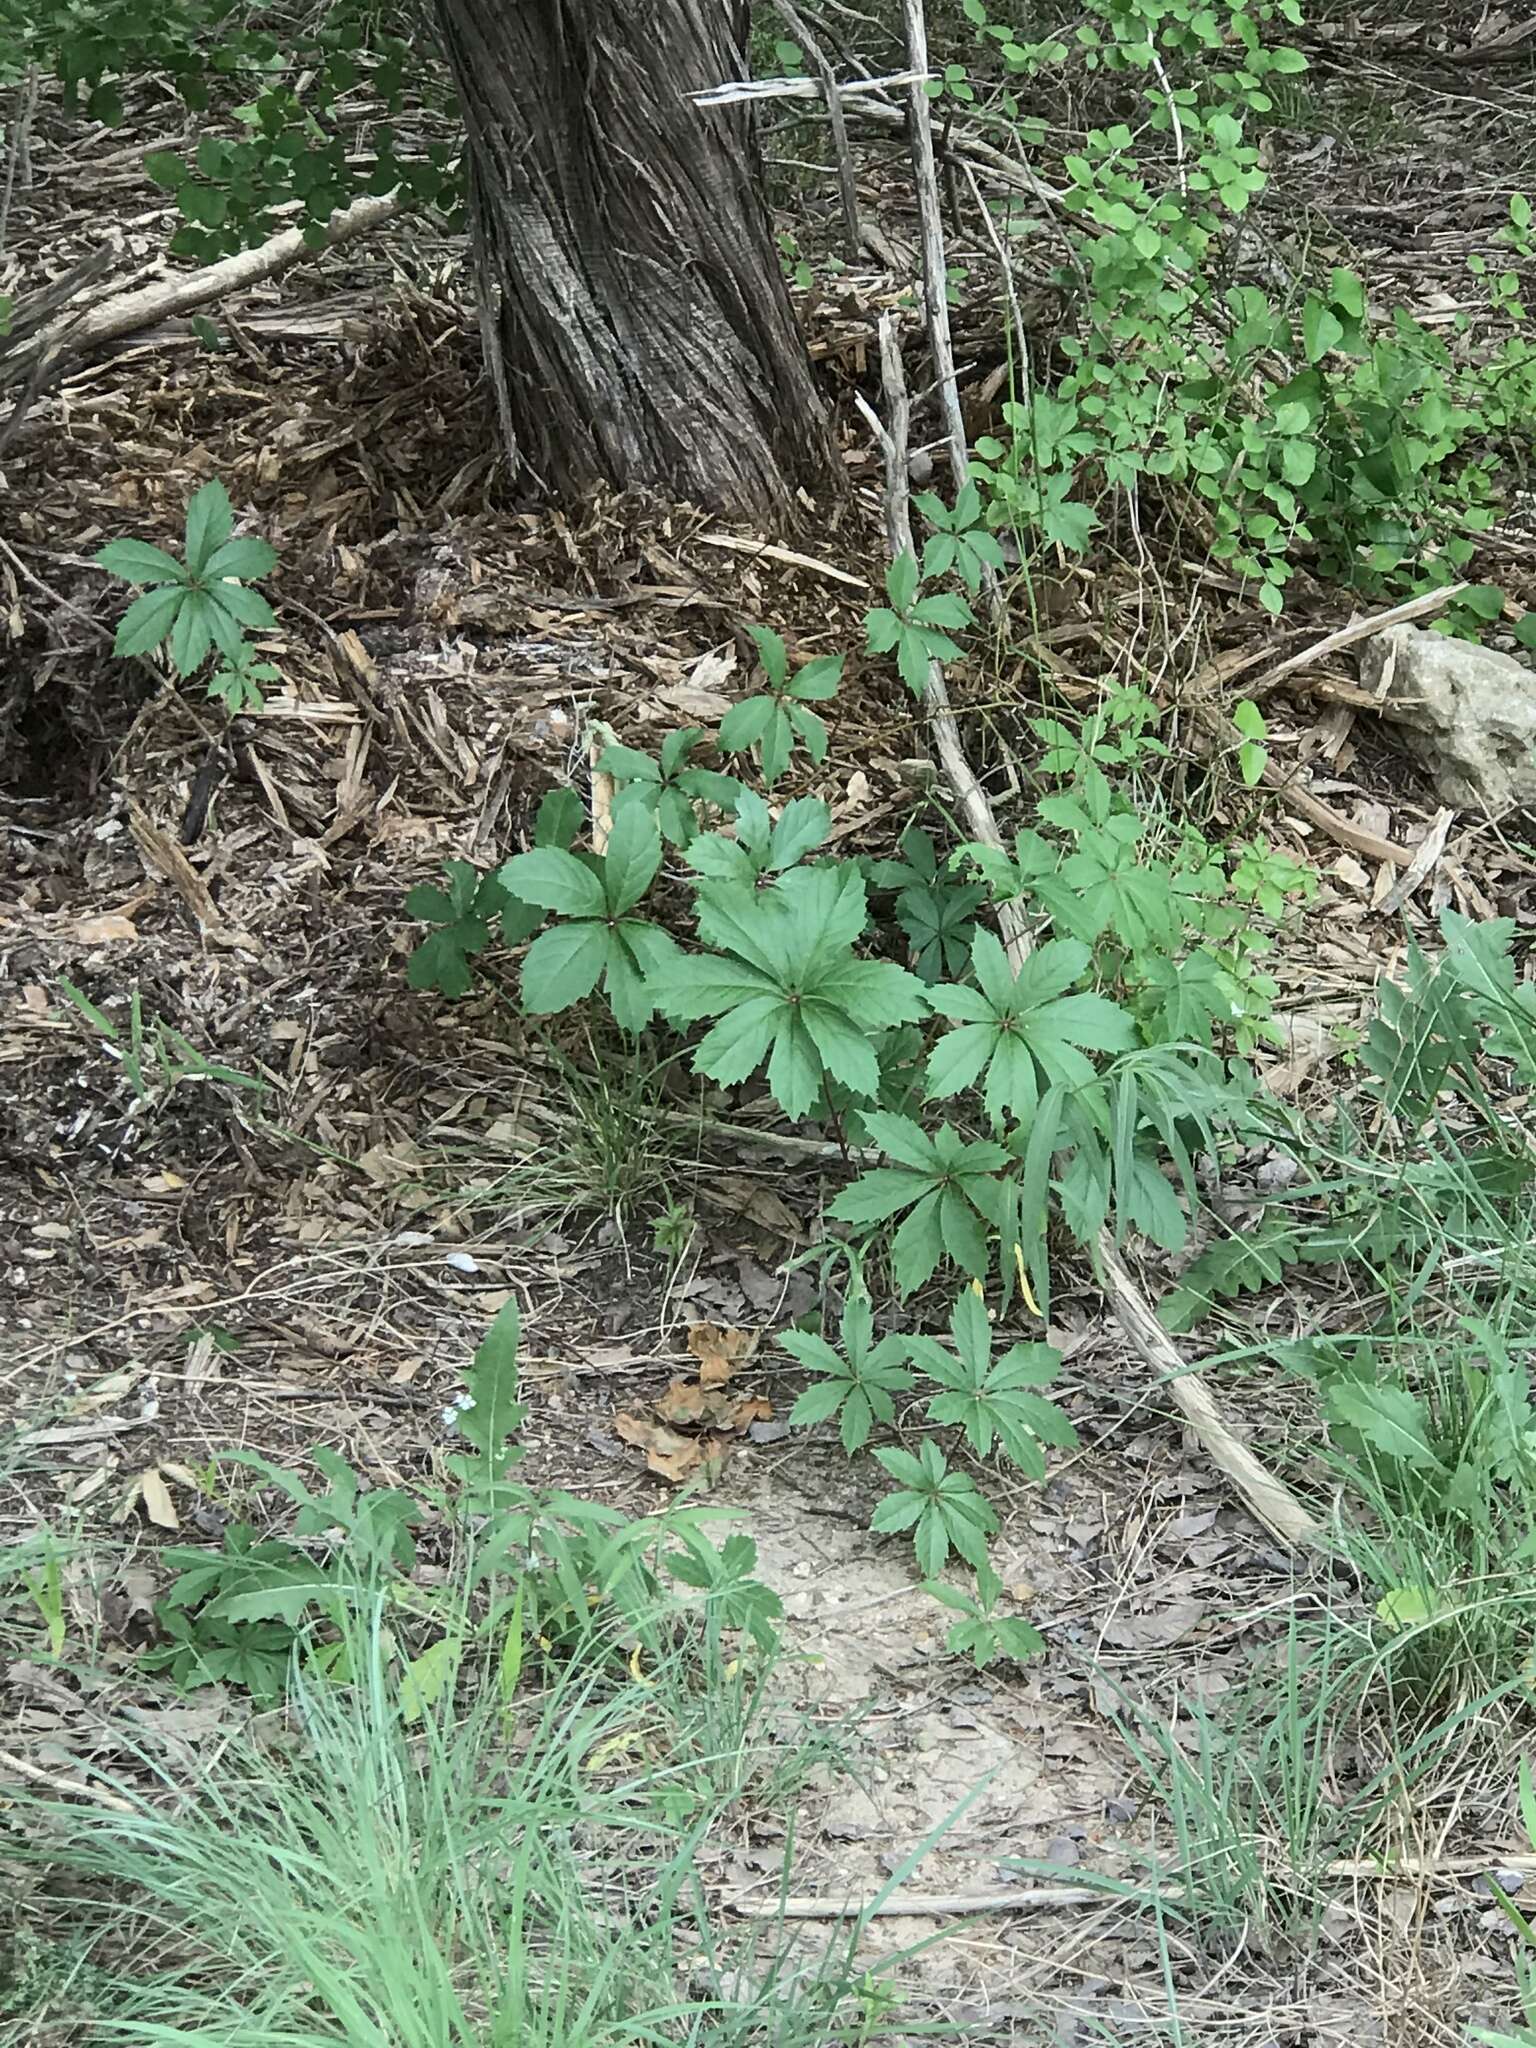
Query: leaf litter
<point>693,1427</point>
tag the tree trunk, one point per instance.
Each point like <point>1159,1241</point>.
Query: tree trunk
<point>636,321</point>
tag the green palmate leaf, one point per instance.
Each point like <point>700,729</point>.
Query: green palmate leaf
<point>882,629</point>
<point>942,1509</point>
<point>559,818</point>
<point>136,561</point>
<point>860,1384</point>
<point>628,764</point>
<point>554,880</point>
<point>625,980</point>
<point>224,628</point>
<point>948,1187</point>
<point>148,620</point>
<point>442,960</point>
<point>801,827</point>
<point>165,168</point>
<point>210,522</point>
<point>914,648</point>
<point>1020,1029</point>
<point>993,1400</point>
<point>944,610</point>
<point>786,987</point>
<point>760,844</point>
<point>1322,330</point>
<point>985,1638</point>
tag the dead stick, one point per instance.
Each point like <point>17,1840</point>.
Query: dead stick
<point>847,182</point>
<point>927,1905</point>
<point>1273,1504</point>
<point>171,296</point>
<point>935,274</point>
<point>1358,629</point>
<point>75,1787</point>
<point>970,799</point>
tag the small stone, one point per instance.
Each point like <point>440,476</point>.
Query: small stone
<point>1468,712</point>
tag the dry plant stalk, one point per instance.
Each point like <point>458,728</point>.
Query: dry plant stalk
<point>1266,1496</point>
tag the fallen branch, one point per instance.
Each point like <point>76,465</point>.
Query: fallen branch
<point>1267,1497</point>
<point>169,297</point>
<point>926,1905</point>
<point>1357,629</point>
<point>935,270</point>
<point>847,181</point>
<point>73,1788</point>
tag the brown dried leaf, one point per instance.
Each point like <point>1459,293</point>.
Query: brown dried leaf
<point>685,1402</point>
<point>719,1351</point>
<point>753,1199</point>
<point>1159,1630</point>
<point>670,1456</point>
<point>688,1403</point>
<point>156,1496</point>
<point>702,698</point>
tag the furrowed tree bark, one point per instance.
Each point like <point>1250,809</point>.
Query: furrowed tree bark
<point>637,325</point>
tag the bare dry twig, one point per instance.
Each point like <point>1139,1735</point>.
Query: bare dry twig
<point>168,297</point>
<point>847,183</point>
<point>1267,1497</point>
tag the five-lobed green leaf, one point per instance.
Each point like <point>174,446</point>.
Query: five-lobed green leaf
<point>942,1509</point>
<point>786,986</point>
<point>948,1186</point>
<point>860,1383</point>
<point>993,1399</point>
<point>1020,1029</point>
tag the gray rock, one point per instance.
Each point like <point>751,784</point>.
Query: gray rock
<point>1469,713</point>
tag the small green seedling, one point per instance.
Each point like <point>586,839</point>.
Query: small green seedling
<point>768,725</point>
<point>203,603</point>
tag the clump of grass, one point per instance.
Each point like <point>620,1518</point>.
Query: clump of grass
<point>480,1876</point>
